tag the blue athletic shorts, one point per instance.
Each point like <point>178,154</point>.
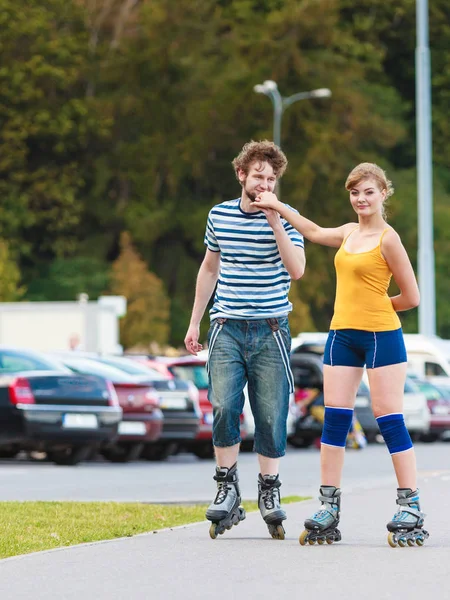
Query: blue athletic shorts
<point>356,348</point>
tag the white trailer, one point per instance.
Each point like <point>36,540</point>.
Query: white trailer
<point>90,326</point>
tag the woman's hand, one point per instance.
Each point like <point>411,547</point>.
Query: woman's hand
<point>266,200</point>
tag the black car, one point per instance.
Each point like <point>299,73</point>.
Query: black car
<point>307,369</point>
<point>46,407</point>
<point>178,403</point>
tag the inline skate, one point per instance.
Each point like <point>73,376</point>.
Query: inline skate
<point>406,528</point>
<point>322,527</point>
<point>225,511</point>
<point>269,504</point>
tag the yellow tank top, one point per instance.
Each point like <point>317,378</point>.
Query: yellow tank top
<point>362,301</point>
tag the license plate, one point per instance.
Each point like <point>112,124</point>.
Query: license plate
<point>440,410</point>
<point>173,403</point>
<point>132,428</point>
<point>208,418</point>
<point>76,421</point>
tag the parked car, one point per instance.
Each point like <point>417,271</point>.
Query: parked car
<point>179,402</point>
<point>142,421</point>
<point>415,408</point>
<point>46,407</point>
<point>439,406</point>
<point>193,369</point>
<point>307,368</point>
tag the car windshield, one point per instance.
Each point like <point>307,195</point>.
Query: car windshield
<point>430,391</point>
<point>195,373</point>
<point>131,367</point>
<point>411,386</point>
<point>92,367</point>
<point>15,361</point>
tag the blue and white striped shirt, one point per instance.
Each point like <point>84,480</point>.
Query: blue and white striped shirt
<point>253,281</point>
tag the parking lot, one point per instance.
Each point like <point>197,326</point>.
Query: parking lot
<point>184,478</point>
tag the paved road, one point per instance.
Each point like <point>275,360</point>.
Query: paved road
<point>186,479</point>
<point>244,563</point>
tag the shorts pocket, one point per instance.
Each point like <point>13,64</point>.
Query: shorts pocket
<point>216,328</point>
<point>284,349</point>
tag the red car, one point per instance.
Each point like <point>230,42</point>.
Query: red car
<point>142,420</point>
<point>192,368</point>
<point>438,402</point>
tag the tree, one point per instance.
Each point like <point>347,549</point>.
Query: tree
<point>10,290</point>
<point>147,318</point>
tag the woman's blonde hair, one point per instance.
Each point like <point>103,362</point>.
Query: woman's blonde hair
<point>369,171</point>
<point>365,171</point>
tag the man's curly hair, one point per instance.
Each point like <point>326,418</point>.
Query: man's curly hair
<point>263,151</point>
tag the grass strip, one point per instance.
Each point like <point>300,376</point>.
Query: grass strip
<point>35,526</point>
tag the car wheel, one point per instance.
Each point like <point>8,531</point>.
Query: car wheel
<point>70,456</point>
<point>122,453</point>
<point>204,451</point>
<point>9,452</point>
<point>247,446</point>
<point>300,442</point>
<point>158,451</point>
<point>429,437</point>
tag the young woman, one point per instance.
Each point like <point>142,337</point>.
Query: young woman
<point>365,332</point>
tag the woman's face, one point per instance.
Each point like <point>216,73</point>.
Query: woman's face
<point>367,198</point>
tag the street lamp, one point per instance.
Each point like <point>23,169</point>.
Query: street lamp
<point>427,307</point>
<point>270,88</point>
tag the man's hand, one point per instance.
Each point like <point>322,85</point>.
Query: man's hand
<point>191,340</point>
<point>272,217</point>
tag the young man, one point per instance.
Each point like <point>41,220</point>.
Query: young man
<point>251,255</point>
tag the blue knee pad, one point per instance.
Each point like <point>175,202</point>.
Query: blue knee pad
<point>336,426</point>
<point>394,432</point>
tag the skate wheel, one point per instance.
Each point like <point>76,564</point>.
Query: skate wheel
<point>303,537</point>
<point>213,531</point>
<point>277,532</point>
<point>410,542</point>
<point>402,542</point>
<point>392,540</point>
<point>311,542</point>
<point>420,541</point>
<point>321,541</point>
<point>330,540</point>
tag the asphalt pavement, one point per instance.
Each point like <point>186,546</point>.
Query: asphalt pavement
<point>184,563</point>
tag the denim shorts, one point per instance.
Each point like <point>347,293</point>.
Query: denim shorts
<point>356,348</point>
<point>254,352</point>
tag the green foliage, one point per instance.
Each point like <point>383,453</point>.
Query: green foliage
<point>66,278</point>
<point>148,306</point>
<point>124,116</point>
<point>10,289</point>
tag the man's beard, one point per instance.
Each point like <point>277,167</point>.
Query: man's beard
<point>250,195</point>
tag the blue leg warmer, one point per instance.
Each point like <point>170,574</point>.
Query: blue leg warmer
<point>394,432</point>
<point>336,426</point>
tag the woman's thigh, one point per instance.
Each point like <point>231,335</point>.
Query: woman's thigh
<point>387,386</point>
<point>340,385</point>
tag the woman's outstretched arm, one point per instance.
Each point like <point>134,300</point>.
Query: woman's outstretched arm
<point>333,236</point>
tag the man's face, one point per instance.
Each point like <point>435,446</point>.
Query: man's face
<point>260,178</point>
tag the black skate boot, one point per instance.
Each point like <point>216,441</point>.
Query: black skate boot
<point>269,504</point>
<point>225,511</point>
<point>322,526</point>
<point>406,528</point>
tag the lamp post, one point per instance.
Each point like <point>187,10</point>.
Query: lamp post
<point>270,88</point>
<point>427,307</point>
